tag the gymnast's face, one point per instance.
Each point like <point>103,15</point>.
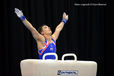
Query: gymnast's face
<point>46,30</point>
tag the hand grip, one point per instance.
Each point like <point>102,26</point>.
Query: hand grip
<point>56,57</point>
<point>69,54</point>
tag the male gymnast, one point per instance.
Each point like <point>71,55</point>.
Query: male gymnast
<point>46,41</point>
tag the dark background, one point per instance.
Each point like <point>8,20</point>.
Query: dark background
<point>85,33</point>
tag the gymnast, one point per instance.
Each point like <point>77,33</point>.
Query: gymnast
<point>46,41</point>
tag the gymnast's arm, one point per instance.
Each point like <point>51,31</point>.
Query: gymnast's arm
<point>35,33</point>
<point>60,27</point>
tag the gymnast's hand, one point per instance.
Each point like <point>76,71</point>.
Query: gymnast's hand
<point>65,17</point>
<point>19,13</point>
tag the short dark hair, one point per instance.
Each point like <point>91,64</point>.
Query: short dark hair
<point>40,29</point>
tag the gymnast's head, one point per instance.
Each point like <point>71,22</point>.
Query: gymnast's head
<point>44,30</point>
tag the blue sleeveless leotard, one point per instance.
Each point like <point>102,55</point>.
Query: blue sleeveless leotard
<point>48,48</point>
